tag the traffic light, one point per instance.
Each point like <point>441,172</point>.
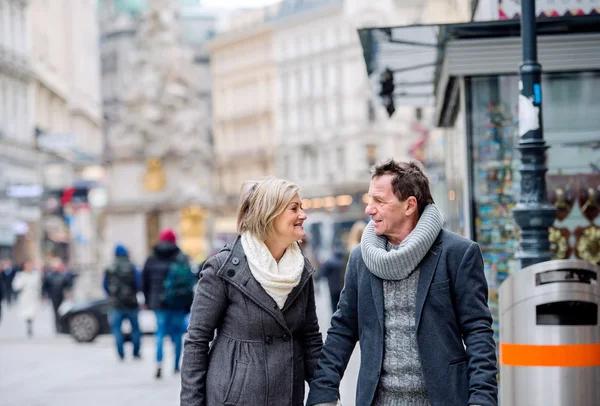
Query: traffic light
<point>387,90</point>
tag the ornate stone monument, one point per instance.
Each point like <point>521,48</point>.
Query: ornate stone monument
<point>159,150</point>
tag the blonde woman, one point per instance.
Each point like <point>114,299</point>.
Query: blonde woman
<point>258,296</point>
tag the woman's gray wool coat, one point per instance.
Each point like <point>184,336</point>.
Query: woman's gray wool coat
<point>261,355</point>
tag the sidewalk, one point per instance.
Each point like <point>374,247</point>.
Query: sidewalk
<point>54,370</point>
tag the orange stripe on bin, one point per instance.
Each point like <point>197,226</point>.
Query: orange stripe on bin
<point>567,355</point>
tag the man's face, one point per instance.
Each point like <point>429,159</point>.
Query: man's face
<point>386,211</point>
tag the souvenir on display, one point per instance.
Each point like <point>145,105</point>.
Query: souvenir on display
<point>562,193</point>
<point>559,242</point>
<point>589,195</point>
<point>588,244</point>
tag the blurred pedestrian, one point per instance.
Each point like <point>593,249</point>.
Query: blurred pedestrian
<point>122,282</point>
<point>416,299</point>
<point>9,271</point>
<point>353,239</point>
<point>28,283</point>
<point>57,283</point>
<point>332,270</point>
<point>168,286</point>
<point>258,296</point>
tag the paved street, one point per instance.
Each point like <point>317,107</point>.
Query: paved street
<point>52,370</point>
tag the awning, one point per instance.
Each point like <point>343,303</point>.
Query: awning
<point>411,54</point>
<point>415,53</point>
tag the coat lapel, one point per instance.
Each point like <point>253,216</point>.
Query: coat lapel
<point>427,270</point>
<point>306,275</point>
<point>237,272</point>
<point>377,289</point>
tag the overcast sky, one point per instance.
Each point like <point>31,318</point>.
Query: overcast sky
<point>230,4</point>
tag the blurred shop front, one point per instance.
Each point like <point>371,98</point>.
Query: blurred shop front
<point>477,91</point>
<point>329,221</point>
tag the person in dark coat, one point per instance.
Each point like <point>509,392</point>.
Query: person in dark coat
<point>57,281</point>
<point>9,272</point>
<point>332,269</point>
<point>122,281</point>
<point>169,321</point>
<point>415,297</point>
<point>258,296</point>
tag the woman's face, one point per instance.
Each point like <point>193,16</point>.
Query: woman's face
<point>288,225</point>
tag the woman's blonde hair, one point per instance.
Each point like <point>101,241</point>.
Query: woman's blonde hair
<point>260,202</point>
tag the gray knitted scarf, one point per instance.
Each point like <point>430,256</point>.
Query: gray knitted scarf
<point>398,264</point>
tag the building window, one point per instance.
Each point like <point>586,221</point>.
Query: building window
<point>371,111</point>
<point>285,164</point>
<point>371,155</point>
<point>419,113</point>
<point>341,159</point>
<point>109,62</point>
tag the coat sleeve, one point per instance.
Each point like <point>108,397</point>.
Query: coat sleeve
<point>208,309</point>
<point>339,345</point>
<point>312,338</point>
<point>475,322</point>
<point>145,282</point>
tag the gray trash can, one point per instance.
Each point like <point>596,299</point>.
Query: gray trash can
<point>550,336</point>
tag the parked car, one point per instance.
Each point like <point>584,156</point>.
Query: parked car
<point>86,321</point>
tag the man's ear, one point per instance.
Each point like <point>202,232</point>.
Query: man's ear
<point>412,206</point>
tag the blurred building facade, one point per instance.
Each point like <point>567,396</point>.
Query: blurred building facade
<point>331,128</point>
<point>67,119</point>
<point>156,82</point>
<point>20,177</point>
<point>244,86</point>
<point>50,124</point>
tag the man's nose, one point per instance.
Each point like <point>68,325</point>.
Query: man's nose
<point>369,211</point>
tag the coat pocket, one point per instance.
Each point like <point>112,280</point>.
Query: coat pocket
<point>234,390</point>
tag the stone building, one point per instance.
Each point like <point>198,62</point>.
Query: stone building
<point>244,87</point>
<point>20,177</point>
<point>158,155</point>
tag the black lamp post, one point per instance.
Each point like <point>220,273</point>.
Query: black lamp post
<point>533,214</point>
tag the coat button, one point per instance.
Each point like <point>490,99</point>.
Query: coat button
<point>235,261</point>
<point>285,337</point>
<point>230,273</point>
<point>269,340</point>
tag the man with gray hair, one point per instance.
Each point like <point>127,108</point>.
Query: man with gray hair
<point>415,297</point>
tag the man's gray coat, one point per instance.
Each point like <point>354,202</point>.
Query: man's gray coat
<point>451,307</point>
<point>261,355</point>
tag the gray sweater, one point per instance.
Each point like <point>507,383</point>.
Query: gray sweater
<point>401,382</point>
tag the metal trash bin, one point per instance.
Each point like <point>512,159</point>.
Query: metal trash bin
<point>550,336</point>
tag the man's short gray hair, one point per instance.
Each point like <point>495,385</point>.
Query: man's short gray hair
<point>260,202</point>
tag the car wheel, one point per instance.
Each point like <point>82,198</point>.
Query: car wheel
<point>84,327</point>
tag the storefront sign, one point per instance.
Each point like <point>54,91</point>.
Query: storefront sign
<point>24,191</point>
<point>56,141</point>
<point>509,9</point>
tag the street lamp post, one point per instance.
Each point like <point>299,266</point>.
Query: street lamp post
<point>533,214</point>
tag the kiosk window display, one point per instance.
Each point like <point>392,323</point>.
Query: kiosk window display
<point>572,130</point>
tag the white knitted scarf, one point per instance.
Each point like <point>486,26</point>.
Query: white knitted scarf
<point>399,263</point>
<point>277,279</point>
